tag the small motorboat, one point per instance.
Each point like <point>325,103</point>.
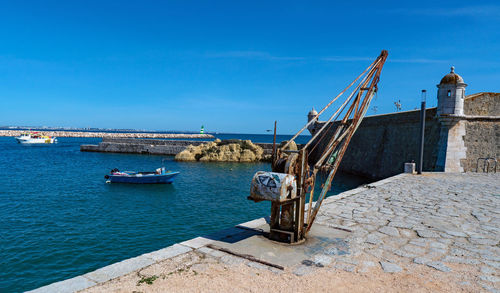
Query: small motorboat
<point>161,175</point>
<point>35,138</point>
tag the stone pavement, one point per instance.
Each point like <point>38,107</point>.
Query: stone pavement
<point>434,219</point>
<point>438,222</point>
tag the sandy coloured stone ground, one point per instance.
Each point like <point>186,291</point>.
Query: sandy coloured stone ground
<point>196,272</point>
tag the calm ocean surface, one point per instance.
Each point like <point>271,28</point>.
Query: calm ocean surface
<point>59,219</point>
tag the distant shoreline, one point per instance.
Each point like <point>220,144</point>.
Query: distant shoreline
<point>61,133</point>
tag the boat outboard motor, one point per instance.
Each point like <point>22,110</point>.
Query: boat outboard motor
<point>115,170</point>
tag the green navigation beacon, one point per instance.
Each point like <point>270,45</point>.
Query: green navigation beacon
<point>202,130</point>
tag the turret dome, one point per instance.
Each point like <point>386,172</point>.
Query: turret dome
<point>312,112</point>
<point>452,78</point>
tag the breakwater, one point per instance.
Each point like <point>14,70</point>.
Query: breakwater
<point>110,134</point>
<point>151,146</point>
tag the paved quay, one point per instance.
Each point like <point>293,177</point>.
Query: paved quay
<point>427,233</point>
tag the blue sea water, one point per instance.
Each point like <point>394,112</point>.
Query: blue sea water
<point>59,219</point>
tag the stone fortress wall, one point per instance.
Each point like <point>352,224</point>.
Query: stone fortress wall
<point>458,132</point>
<point>383,143</point>
<point>482,135</point>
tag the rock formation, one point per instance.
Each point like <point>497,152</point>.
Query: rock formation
<point>232,150</point>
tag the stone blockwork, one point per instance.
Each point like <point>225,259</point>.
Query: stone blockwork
<point>151,146</point>
<point>451,147</point>
<point>383,143</point>
<point>140,146</point>
<point>482,140</point>
<point>435,219</point>
<point>482,104</point>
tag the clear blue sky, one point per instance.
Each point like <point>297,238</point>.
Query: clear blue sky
<point>233,66</point>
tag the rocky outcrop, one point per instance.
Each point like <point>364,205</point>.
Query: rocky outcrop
<point>232,150</point>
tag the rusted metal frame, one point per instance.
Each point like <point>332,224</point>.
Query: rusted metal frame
<point>311,195</point>
<point>278,155</point>
<point>296,227</point>
<point>334,138</point>
<point>302,193</point>
<point>330,176</point>
<point>339,134</point>
<point>354,105</point>
<point>383,56</point>
<point>340,109</point>
<point>321,138</point>
<point>332,147</point>
<point>275,211</point>
<point>351,108</point>
<point>335,142</point>
<point>329,104</point>
<point>300,185</point>
<point>356,121</point>
<point>336,115</point>
<point>328,124</point>
<point>273,156</point>
<point>369,94</point>
<point>357,103</point>
<point>326,187</point>
<point>328,183</point>
<point>369,77</point>
<point>332,144</point>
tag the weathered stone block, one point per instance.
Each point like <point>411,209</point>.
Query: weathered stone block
<point>167,252</point>
<point>66,286</point>
<point>119,269</point>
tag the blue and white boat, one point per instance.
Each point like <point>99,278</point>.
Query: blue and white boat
<point>160,176</point>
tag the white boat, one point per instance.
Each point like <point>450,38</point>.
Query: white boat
<point>35,138</point>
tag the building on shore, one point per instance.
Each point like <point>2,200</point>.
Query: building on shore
<point>460,131</point>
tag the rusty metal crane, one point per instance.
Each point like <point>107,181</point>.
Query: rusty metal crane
<point>294,172</point>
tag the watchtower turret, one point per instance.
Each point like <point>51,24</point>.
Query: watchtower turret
<point>450,109</point>
<point>451,94</point>
<point>310,116</point>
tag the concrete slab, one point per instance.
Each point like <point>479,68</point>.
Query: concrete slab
<point>211,252</point>
<point>197,242</point>
<point>254,223</point>
<point>168,252</point>
<point>390,179</point>
<point>235,234</point>
<point>69,285</point>
<point>119,269</point>
<point>321,240</point>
